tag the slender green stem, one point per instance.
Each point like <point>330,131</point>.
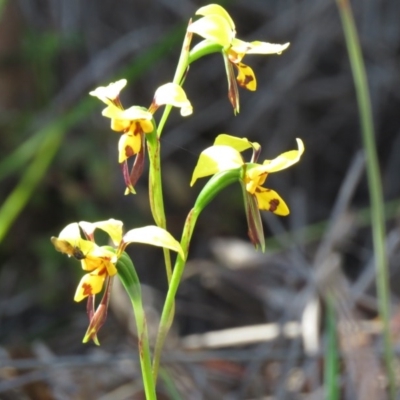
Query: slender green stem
<point>209,191</point>
<point>130,280</point>
<point>157,200</point>
<point>178,77</point>
<point>165,321</point>
<point>331,374</point>
<point>170,385</point>
<point>374,182</point>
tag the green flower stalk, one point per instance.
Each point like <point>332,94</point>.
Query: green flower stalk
<point>223,162</point>
<point>129,278</point>
<point>217,183</point>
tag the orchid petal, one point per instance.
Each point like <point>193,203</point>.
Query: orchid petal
<point>107,94</point>
<point>284,160</point>
<point>90,284</point>
<point>246,77</point>
<point>269,200</point>
<point>131,114</point>
<point>257,47</point>
<point>70,233</point>
<point>216,159</point>
<point>112,226</point>
<point>216,9</point>
<point>174,95</point>
<point>214,28</point>
<point>239,144</point>
<point>155,236</point>
<point>128,146</point>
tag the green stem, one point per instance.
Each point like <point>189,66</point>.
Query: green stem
<point>165,321</point>
<point>331,374</point>
<point>178,77</point>
<point>156,196</point>
<point>209,191</point>
<point>130,280</point>
<point>374,182</point>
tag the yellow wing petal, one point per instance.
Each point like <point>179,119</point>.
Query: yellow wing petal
<point>214,28</point>
<point>216,159</point>
<point>257,47</point>
<point>155,236</point>
<point>240,144</point>
<point>217,10</point>
<point>284,160</point>
<point>112,226</point>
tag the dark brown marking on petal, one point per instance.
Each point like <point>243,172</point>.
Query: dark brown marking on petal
<point>259,190</point>
<point>138,128</point>
<point>273,205</point>
<point>233,56</point>
<point>87,289</point>
<point>245,82</point>
<point>129,151</point>
<point>103,271</point>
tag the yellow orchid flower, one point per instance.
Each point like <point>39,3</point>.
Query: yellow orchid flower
<point>101,263</point>
<point>217,27</point>
<point>136,121</point>
<point>225,155</point>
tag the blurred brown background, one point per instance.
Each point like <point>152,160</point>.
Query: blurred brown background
<point>61,155</point>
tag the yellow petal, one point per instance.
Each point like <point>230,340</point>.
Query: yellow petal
<point>284,160</point>
<point>100,260</point>
<point>155,236</point>
<point>130,114</point>
<point>128,146</point>
<point>70,233</point>
<point>240,144</point>
<point>218,10</point>
<point>255,177</point>
<point>90,284</point>
<point>214,28</point>
<point>246,78</point>
<point>107,94</point>
<point>119,125</point>
<point>112,226</point>
<point>216,159</point>
<point>269,200</point>
<point>174,95</point>
<point>256,47</point>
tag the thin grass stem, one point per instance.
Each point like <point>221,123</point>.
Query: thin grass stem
<point>374,181</point>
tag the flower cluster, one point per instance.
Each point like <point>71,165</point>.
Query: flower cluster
<point>138,127</point>
<point>100,261</point>
<point>135,121</point>
<point>225,155</point>
<point>217,28</point>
